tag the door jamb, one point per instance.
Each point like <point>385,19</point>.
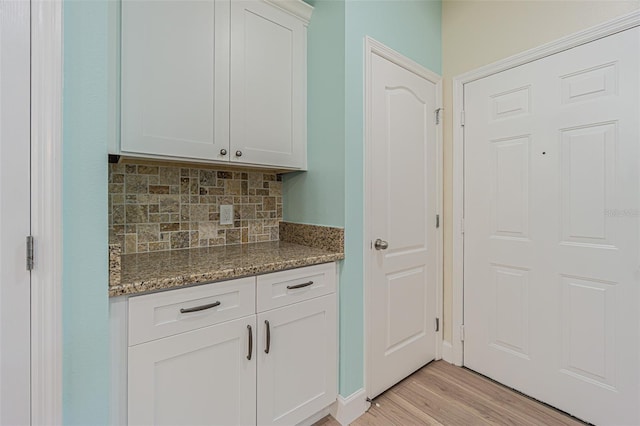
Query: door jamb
<point>375,47</point>
<point>46,211</point>
<point>605,29</point>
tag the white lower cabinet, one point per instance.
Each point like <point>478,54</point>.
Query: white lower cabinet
<point>296,361</point>
<point>272,367</point>
<point>202,377</point>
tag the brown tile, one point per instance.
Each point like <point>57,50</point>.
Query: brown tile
<point>136,213</point>
<point>233,187</point>
<point>166,227</point>
<point>158,189</point>
<point>268,177</point>
<point>199,213</point>
<point>169,203</point>
<point>247,211</point>
<point>116,178</point>
<point>207,178</point>
<point>233,236</point>
<point>154,208</point>
<point>148,233</point>
<point>194,237</point>
<point>262,192</point>
<point>180,240</point>
<point>269,204</point>
<point>169,176</point>
<point>159,246</point>
<point>130,243</point>
<point>130,169</point>
<point>225,175</point>
<point>147,170</point>
<point>136,184</point>
<point>118,214</point>
<point>116,188</point>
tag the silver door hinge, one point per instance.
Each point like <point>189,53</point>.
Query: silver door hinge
<point>437,221</point>
<point>438,115</point>
<point>29,252</point>
<point>462,333</point>
<point>462,118</point>
<point>437,324</point>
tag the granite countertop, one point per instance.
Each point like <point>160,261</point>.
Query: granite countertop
<point>146,272</point>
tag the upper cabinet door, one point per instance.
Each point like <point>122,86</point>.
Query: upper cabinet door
<point>268,85</point>
<point>175,78</point>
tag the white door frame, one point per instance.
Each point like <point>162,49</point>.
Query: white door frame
<point>374,47</point>
<point>46,211</point>
<point>605,29</point>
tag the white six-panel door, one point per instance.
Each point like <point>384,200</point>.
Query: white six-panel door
<point>403,215</point>
<point>15,304</point>
<point>551,229</point>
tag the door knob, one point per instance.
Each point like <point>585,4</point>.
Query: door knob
<point>381,244</point>
<point>223,151</point>
<point>238,153</point>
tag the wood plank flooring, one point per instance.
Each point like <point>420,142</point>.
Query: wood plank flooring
<point>443,394</point>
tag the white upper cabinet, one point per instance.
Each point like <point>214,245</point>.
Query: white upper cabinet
<point>268,84</point>
<point>209,79</point>
<point>175,78</point>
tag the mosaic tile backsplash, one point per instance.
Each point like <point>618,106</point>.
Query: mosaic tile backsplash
<point>155,207</point>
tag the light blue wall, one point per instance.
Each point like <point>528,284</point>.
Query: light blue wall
<point>317,196</point>
<point>85,279</point>
<point>331,192</point>
<point>412,28</point>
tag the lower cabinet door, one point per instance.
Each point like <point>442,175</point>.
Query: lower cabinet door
<point>201,377</point>
<point>297,361</point>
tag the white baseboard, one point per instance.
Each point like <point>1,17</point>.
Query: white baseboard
<point>350,408</point>
<point>447,351</point>
<point>318,416</point>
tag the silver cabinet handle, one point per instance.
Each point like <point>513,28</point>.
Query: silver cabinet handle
<point>293,287</point>
<point>200,308</point>
<point>223,151</point>
<point>238,153</point>
<point>381,244</point>
<point>250,342</point>
<point>268,347</point>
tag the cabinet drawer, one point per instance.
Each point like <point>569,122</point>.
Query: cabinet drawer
<point>175,311</point>
<point>287,287</point>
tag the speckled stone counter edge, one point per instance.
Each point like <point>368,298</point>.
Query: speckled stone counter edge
<point>217,275</point>
<point>324,237</point>
<point>327,238</point>
<point>115,264</point>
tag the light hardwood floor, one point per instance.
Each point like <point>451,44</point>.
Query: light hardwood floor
<point>442,394</point>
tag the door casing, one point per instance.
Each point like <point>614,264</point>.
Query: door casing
<point>375,47</point>
<point>624,22</point>
<point>46,211</point>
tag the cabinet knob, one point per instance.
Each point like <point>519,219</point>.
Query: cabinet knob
<point>238,153</point>
<point>223,151</point>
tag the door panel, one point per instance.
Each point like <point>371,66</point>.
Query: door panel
<point>551,228</point>
<point>15,140</point>
<point>298,376</point>
<point>201,377</point>
<point>268,81</point>
<point>403,201</point>
<point>175,83</point>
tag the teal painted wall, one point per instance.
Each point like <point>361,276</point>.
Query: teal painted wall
<point>331,192</point>
<point>317,196</point>
<point>412,28</point>
<point>85,280</point>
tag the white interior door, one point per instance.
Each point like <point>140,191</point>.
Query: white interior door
<point>402,170</point>
<point>15,140</point>
<point>551,229</point>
